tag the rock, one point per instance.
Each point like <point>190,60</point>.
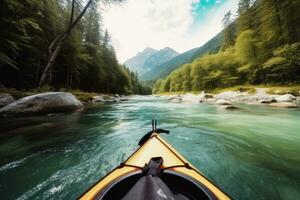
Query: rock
<point>123,98</point>
<point>273,101</point>
<point>5,99</point>
<point>192,98</point>
<point>189,98</point>
<point>174,100</point>
<point>267,101</point>
<point>209,101</point>
<point>222,102</point>
<point>229,95</point>
<point>264,101</point>
<point>116,95</point>
<point>284,105</point>
<point>98,99</point>
<point>208,96</point>
<point>286,98</point>
<point>44,103</point>
<point>229,107</point>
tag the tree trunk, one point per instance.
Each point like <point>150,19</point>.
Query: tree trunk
<point>279,21</point>
<point>50,63</point>
<point>37,73</point>
<point>57,42</point>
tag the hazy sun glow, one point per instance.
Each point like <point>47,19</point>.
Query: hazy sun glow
<point>179,24</point>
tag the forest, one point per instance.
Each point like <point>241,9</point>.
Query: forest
<point>85,60</point>
<point>260,46</point>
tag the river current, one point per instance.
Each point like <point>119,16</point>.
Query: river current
<point>251,153</point>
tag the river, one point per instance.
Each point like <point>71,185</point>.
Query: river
<point>251,153</point>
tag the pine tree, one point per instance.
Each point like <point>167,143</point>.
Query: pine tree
<point>271,24</point>
<point>228,39</point>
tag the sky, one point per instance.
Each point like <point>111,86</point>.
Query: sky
<point>179,24</point>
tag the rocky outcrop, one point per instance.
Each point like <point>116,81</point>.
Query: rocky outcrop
<point>234,97</point>
<point>192,98</point>
<point>286,98</point>
<point>5,99</point>
<point>44,103</point>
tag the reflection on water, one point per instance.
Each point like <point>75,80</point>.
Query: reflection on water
<point>251,153</point>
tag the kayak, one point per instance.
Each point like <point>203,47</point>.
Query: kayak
<point>155,171</point>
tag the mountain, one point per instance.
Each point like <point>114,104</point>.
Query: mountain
<point>157,59</point>
<point>162,70</point>
<point>137,62</point>
<point>149,59</point>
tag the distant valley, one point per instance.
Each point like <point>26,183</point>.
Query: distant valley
<point>152,64</point>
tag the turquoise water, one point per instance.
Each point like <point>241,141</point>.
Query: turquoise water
<point>251,153</point>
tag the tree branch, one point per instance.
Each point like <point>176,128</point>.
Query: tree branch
<point>57,42</point>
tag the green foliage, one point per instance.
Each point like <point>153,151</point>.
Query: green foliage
<point>246,47</point>
<point>280,90</point>
<point>284,66</point>
<point>86,61</point>
<point>266,50</point>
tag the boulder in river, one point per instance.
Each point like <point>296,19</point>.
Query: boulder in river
<point>189,98</point>
<point>229,107</point>
<point>98,99</point>
<point>44,103</point>
<point>284,105</point>
<point>175,100</point>
<point>192,98</point>
<point>286,98</point>
<point>267,101</point>
<point>5,99</point>
<point>222,102</point>
<point>123,98</point>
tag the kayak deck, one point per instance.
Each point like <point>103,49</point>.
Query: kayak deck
<point>173,164</point>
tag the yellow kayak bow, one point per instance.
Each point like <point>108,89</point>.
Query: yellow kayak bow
<point>175,172</point>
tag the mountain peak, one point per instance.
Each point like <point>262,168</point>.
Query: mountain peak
<point>147,59</point>
<point>149,49</point>
<point>168,49</point>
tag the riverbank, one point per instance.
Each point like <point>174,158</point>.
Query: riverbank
<point>18,103</point>
<point>276,96</point>
<point>83,96</point>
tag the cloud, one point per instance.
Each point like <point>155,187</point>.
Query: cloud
<point>137,24</point>
<point>212,24</point>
